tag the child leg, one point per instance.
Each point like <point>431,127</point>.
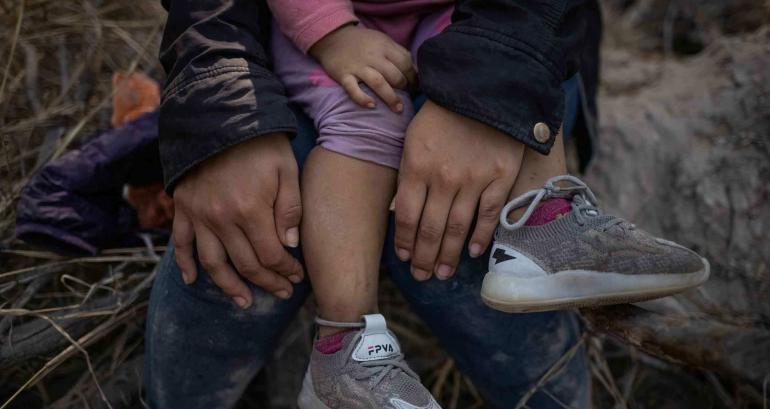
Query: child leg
<point>345,206</point>
<point>347,186</point>
<point>348,182</point>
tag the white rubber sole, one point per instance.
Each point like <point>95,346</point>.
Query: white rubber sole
<point>307,398</point>
<point>582,288</point>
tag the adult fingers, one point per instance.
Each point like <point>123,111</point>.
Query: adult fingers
<point>272,255</point>
<point>288,207</point>
<point>409,202</point>
<point>392,74</point>
<point>247,264</point>
<point>214,259</point>
<point>350,84</point>
<point>402,59</point>
<point>457,226</point>
<point>491,203</point>
<point>431,231</point>
<point>380,86</point>
<point>182,237</point>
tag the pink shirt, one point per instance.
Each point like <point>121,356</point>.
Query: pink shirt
<point>307,21</point>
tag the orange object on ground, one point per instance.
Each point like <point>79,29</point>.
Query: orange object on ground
<point>133,95</point>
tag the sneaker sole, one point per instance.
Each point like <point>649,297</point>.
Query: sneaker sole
<point>582,288</point>
<point>307,398</point>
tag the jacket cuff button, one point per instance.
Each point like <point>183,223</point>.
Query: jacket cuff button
<point>542,133</point>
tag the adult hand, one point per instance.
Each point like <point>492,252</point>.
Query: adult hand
<point>241,206</point>
<point>452,166</point>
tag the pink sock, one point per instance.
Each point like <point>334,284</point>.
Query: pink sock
<point>330,343</point>
<point>549,211</point>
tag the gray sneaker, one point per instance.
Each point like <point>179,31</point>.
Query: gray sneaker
<point>582,259</point>
<point>369,372</point>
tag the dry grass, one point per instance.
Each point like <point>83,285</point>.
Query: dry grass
<point>68,325</point>
<point>58,57</point>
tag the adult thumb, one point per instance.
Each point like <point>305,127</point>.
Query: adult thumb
<point>288,208</point>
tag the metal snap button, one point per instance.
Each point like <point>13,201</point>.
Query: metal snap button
<point>542,133</point>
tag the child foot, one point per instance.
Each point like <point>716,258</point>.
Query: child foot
<point>367,372</point>
<point>581,258</point>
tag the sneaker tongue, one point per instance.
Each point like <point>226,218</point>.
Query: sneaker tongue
<point>376,341</point>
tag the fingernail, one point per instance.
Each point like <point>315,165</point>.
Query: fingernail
<point>283,294</point>
<point>186,278</point>
<point>475,250</point>
<point>421,274</point>
<point>370,105</point>
<point>443,271</point>
<point>241,302</point>
<point>403,254</point>
<point>292,237</point>
<point>399,107</point>
<point>295,279</point>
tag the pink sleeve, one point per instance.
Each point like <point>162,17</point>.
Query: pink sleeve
<point>307,21</point>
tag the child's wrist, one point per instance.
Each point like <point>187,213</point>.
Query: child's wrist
<point>325,43</point>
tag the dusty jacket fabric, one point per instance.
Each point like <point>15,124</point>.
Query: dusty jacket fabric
<point>501,62</point>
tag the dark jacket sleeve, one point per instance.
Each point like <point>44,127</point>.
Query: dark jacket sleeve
<point>502,62</point>
<point>219,89</point>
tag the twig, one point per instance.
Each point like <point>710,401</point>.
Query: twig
<point>720,390</point>
<point>106,252</point>
<point>84,341</point>
<point>14,40</point>
<point>443,372</point>
<point>455,396</point>
<point>56,266</point>
<point>75,345</point>
<point>475,393</point>
<point>31,60</point>
<point>602,372</point>
<point>62,56</point>
<point>555,399</point>
<point>560,364</point>
<point>22,300</point>
<point>36,270</point>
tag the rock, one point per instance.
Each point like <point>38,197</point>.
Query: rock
<point>685,154</point>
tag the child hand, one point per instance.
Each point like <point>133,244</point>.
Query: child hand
<point>353,54</point>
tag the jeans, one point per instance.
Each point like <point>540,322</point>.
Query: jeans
<point>202,350</point>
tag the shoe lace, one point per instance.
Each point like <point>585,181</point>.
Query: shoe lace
<point>380,368</point>
<point>582,200</point>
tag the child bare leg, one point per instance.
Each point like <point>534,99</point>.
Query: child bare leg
<point>348,182</point>
<point>345,209</point>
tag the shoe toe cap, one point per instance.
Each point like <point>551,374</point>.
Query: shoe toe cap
<point>679,259</point>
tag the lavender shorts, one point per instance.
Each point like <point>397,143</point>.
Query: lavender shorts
<point>375,135</point>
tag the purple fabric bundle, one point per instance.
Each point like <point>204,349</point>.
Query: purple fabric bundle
<point>75,204</point>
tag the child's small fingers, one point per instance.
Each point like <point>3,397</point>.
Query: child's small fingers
<point>392,74</point>
<point>350,84</point>
<point>380,86</point>
<point>403,61</point>
<point>411,76</point>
